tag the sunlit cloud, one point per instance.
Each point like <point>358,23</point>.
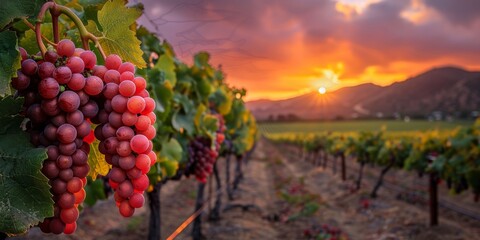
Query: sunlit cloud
<point>284,48</point>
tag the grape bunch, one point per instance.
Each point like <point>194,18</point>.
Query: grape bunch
<point>65,93</point>
<point>58,102</point>
<point>125,132</point>
<point>202,156</point>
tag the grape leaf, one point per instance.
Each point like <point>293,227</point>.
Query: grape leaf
<point>9,60</point>
<point>169,157</point>
<point>29,41</point>
<point>166,64</point>
<point>116,36</point>
<point>25,198</point>
<point>183,121</point>
<point>11,10</point>
<point>97,162</point>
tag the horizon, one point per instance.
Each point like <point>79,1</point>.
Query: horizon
<point>282,50</point>
<point>387,85</point>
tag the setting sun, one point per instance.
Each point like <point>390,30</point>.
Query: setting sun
<point>322,90</point>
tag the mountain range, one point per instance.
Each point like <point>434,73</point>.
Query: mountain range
<point>440,92</point>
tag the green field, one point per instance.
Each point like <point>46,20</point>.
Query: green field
<point>354,126</point>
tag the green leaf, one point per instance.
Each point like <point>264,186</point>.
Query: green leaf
<point>94,191</point>
<point>116,36</point>
<point>9,60</point>
<point>166,64</point>
<point>201,59</point>
<point>97,162</point>
<point>183,121</point>
<point>25,198</point>
<point>11,10</point>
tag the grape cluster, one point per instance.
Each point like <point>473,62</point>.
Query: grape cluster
<point>202,156</point>
<point>125,132</point>
<point>58,104</point>
<point>65,93</point>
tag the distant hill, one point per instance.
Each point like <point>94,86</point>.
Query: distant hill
<point>439,92</point>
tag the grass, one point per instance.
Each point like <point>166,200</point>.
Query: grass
<point>354,126</point>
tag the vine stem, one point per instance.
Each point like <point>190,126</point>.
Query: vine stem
<point>84,33</point>
<point>56,10</point>
<point>38,25</point>
<point>55,14</point>
<point>29,25</point>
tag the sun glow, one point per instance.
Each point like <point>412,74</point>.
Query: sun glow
<point>322,90</point>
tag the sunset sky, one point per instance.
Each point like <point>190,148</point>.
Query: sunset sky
<point>282,48</point>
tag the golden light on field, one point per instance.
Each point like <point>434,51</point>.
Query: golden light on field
<point>322,90</point>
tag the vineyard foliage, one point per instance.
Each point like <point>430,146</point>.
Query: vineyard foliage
<point>454,155</point>
<point>191,100</point>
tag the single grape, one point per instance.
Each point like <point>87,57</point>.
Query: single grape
<point>64,162</point>
<point>74,185</point>
<point>140,84</point>
<point>46,69</point>
<point>99,71</point>
<point>113,61</point>
<point>136,104</point>
<point>75,64</point>
<point>56,226</point>
<point>117,174</point>
<point>83,129</point>
<point>79,157</point>
<point>141,183</point>
<point>90,109</point>
<point>35,114</point>
<point>66,200</point>
<point>149,105</point>
<point>115,119</point>
<point>51,56</point>
<point>62,74</point>
<point>126,66</point>
<point>48,88</point>
<point>69,101</point>
<point>70,228</point>
<point>66,133</point>
<point>136,200</point>
<point>65,174</point>
<point>119,104</point>
<point>23,53</point>
<point>50,169</point>
<point>129,119</point>
<point>123,148</point>
<point>67,148</point>
<point>93,86</point>
<point>143,123</point>
<point>134,173</point>
<point>65,48</point>
<point>143,163</point>
<point>77,82</point>
<point>126,88</point>
<point>110,90</point>
<point>75,118</point>
<point>124,133</point>
<point>125,209</point>
<point>29,67</point>
<point>125,189</point>
<point>127,162</point>
<point>126,76</point>
<point>139,143</point>
<point>89,58</point>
